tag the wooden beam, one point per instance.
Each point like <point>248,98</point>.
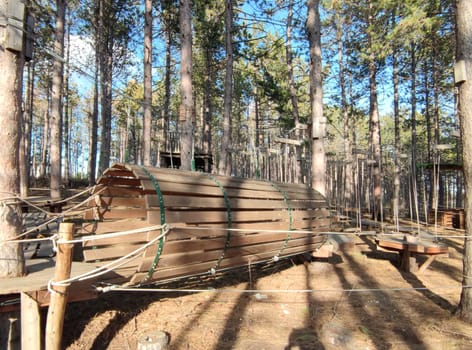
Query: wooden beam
<point>30,323</point>
<point>57,308</point>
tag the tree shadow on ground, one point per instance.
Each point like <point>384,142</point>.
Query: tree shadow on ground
<point>229,336</point>
<point>416,283</point>
<point>127,306</point>
<point>458,247</point>
<point>376,331</point>
<point>307,338</point>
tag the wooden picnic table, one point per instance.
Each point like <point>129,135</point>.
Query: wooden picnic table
<point>409,247</point>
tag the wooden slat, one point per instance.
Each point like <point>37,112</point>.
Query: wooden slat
<point>181,201</point>
<point>209,188</point>
<point>135,238</point>
<point>120,181</point>
<point>105,253</point>
<point>185,270</point>
<point>236,240</point>
<point>192,257</point>
<point>419,248</point>
<point>196,179</point>
<point>122,191</point>
<point>116,213</point>
<point>115,201</point>
<point>112,226</point>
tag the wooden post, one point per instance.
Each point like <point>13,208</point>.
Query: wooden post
<point>57,306</point>
<point>30,323</point>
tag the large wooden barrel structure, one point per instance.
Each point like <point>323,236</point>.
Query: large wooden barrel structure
<point>213,222</point>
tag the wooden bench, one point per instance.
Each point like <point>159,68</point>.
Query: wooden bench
<point>409,247</point>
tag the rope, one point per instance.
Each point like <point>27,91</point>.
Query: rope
<point>91,237</point>
<point>113,264</point>
<point>290,225</point>
<point>116,288</point>
<point>56,218</point>
<point>334,233</point>
<point>112,235</point>
<point>230,223</point>
<point>162,210</point>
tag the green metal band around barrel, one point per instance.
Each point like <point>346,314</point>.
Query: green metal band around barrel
<point>230,222</point>
<point>162,210</point>
<point>290,225</point>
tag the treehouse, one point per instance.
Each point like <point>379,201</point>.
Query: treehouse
<point>170,155</point>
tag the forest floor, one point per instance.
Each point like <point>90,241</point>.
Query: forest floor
<point>385,309</point>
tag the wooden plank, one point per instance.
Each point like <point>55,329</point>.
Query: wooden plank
<point>107,253</point>
<point>117,213</point>
<point>221,216</point>
<point>233,262</point>
<point>426,264</point>
<point>113,226</point>
<point>186,257</point>
<point>210,189</point>
<point>133,238</point>
<point>115,201</point>
<point>120,181</point>
<point>196,179</point>
<point>418,248</point>
<point>117,172</point>
<point>116,191</point>
<point>186,201</point>
<point>236,240</point>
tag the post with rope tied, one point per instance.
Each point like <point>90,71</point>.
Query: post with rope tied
<point>58,302</point>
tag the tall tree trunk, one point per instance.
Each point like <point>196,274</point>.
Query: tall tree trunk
<point>436,87</point>
<point>45,140</point>
<point>147,82</point>
<point>12,261</point>
<point>427,99</point>
<point>67,111</point>
<point>186,107</point>
<point>464,53</point>
<point>25,148</point>
<point>347,127</point>
<point>375,126</point>
<point>106,80</point>
<point>397,146</point>
<point>318,157</point>
<point>56,101</point>
<point>224,165</point>
<point>167,82</point>
<point>105,44</point>
<point>293,92</point>
<point>414,192</point>
<point>207,105</point>
<point>93,126</point>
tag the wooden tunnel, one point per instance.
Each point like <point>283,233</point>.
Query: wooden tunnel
<point>199,209</point>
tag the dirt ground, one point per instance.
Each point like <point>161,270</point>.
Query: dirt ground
<point>360,300</point>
